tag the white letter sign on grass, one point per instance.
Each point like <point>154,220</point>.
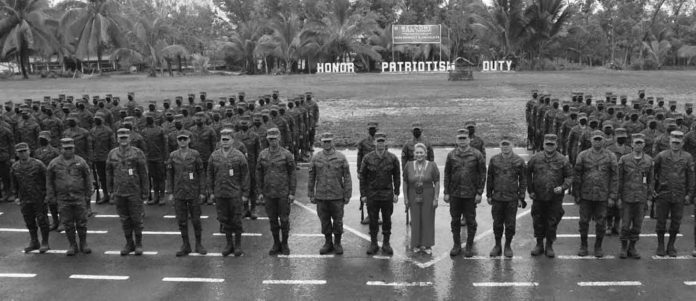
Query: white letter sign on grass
<point>496,66</point>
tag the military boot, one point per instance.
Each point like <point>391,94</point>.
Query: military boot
<point>583,245</point>
<point>84,248</point>
<point>138,243</point>
<point>598,252</point>
<point>328,245</point>
<point>365,221</point>
<point>549,249</point>
<point>507,251</point>
<point>497,249</point>
<point>238,242</point>
<point>386,247</point>
<point>284,248</point>
<point>129,246</point>
<point>72,249</point>
<point>469,247</point>
<point>253,214</point>
<point>338,248</point>
<point>624,249</point>
<point>276,244</point>
<point>229,248</point>
<point>33,242</point>
<point>457,244</point>
<point>671,250</point>
<point>374,248</point>
<point>539,248</point>
<point>632,250</point>
<point>185,246</point>
<point>660,244</point>
<point>199,246</point>
<point>44,240</point>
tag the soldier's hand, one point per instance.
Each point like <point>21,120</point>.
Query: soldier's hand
<point>477,199</point>
<point>618,204</point>
<point>446,198</point>
<point>522,203</point>
<point>558,190</point>
<point>259,199</point>
<point>346,201</point>
<point>144,196</point>
<point>363,199</point>
<point>312,200</point>
<point>171,199</point>
<point>576,198</point>
<point>489,200</point>
<point>435,202</point>
<point>687,200</point>
<point>396,199</point>
<point>291,198</point>
<point>201,199</point>
<point>611,203</point>
<point>212,197</point>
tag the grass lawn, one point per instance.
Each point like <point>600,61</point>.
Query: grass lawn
<point>347,102</point>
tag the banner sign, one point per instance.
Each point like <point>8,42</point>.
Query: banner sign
<point>496,66</point>
<point>416,34</point>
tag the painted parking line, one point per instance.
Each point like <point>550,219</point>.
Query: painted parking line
<point>161,233</point>
<point>119,253</point>
<point>398,284</point>
<point>291,256</point>
<point>174,216</point>
<point>307,235</point>
<point>187,279</point>
<point>571,217</point>
<point>569,204</point>
<point>17,275</point>
<point>20,230</point>
<point>99,277</point>
<point>687,257</point>
<point>243,234</point>
<point>506,284</point>
<point>690,283</point>
<point>610,283</point>
<point>49,252</point>
<point>296,282</point>
<point>210,254</point>
<point>92,232</point>
<point>489,258</point>
<point>575,257</point>
<point>106,216</point>
<point>593,235</point>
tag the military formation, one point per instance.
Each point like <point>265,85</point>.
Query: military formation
<point>56,154</point>
<point>617,160</point>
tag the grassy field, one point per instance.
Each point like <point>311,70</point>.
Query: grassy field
<point>347,102</point>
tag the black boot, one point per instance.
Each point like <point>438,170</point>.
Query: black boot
<point>549,249</point>
<point>284,248</point>
<point>229,248</point>
<point>497,249</point>
<point>72,249</point>
<point>671,250</point>
<point>507,251</point>
<point>660,244</point>
<point>624,249</point>
<point>33,241</point>
<point>598,252</point>
<point>457,244</point>
<point>129,246</point>
<point>44,240</point>
<point>583,245</point>
<point>632,250</point>
<point>328,245</point>
<point>539,248</point>
<point>469,247</point>
<point>374,248</point>
<point>386,247</point>
<point>199,246</point>
<point>185,246</point>
<point>276,244</point>
<point>238,242</point>
<point>338,248</point>
<point>138,243</point>
<point>83,242</point>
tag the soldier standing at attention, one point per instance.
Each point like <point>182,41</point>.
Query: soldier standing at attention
<point>68,182</point>
<point>156,152</point>
<point>407,150</point>
<point>549,174</point>
<point>330,188</point>
<point>596,183</point>
<point>126,174</point>
<point>275,184</point>
<point>186,185</point>
<point>366,146</point>
<point>29,178</point>
<point>45,153</point>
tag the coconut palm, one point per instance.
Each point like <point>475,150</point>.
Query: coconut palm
<point>506,23</point>
<point>658,46</point>
<point>242,43</point>
<point>147,43</point>
<point>285,39</point>
<point>171,53</point>
<point>546,21</point>
<point>23,30</point>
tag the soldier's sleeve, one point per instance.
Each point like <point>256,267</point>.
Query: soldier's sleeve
<point>360,156</point>
<point>404,154</point>
<point>143,173</point>
<point>577,181</point>
<point>199,174</point>
<point>291,172</point>
<point>567,175</point>
<point>522,176</point>
<point>210,175</point>
<point>169,175</point>
<point>620,174</point>
<point>87,177</point>
<point>362,171</point>
<point>259,174</point>
<point>347,181</point>
<point>651,179</point>
<point>245,177</point>
<point>90,148</point>
<point>109,173</point>
<point>482,175</point>
<point>165,147</point>
<point>243,149</point>
<point>396,174</point>
<point>50,190</point>
<point>614,181</point>
<point>690,176</point>
<point>11,147</point>
<point>14,182</point>
<point>448,172</point>
<point>656,169</point>
<point>489,179</point>
<point>213,138</point>
<point>311,181</point>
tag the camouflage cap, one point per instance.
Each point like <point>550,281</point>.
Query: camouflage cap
<point>574,110</point>
<point>597,133</point>
<point>469,124</point>
<point>203,93</point>
<point>689,105</point>
<point>638,137</point>
<point>227,132</point>
<point>275,92</point>
<point>660,98</point>
<point>380,136</point>
<point>274,108</point>
<point>676,135</point>
<point>123,132</point>
<point>167,100</point>
<point>506,138</point>
<point>608,126</point>
<point>272,133</point>
<point>199,114</point>
<point>131,93</point>
<point>45,134</point>
<point>641,91</point>
<point>22,146</point>
<point>670,121</point>
<point>623,97</point>
<point>417,125</point>
<point>67,142</point>
<point>463,133</point>
<point>621,132</point>
<point>550,138</point>
<point>372,125</point>
<point>672,103</point>
<point>129,119</point>
<point>327,137</point>
<point>582,116</point>
<point>182,135</point>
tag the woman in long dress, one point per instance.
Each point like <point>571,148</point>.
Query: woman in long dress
<point>421,187</point>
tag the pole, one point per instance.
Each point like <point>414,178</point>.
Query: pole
<point>441,42</point>
<point>392,45</point>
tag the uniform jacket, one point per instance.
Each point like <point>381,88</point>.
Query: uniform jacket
<point>596,176</point>
<point>6,145</point>
<point>46,153</point>
<point>68,180</point>
<point>477,143</point>
<point>636,178</point>
<point>126,172</point>
<point>28,131</point>
<point>465,173</point>
<point>204,142</point>
<point>29,179</point>
<point>228,176</point>
<point>156,145</point>
<point>507,178</point>
<point>185,174</point>
<point>83,141</point>
<point>409,147</point>
<point>275,173</point>
<point>365,146</point>
<point>380,176</point>
<point>102,142</point>
<point>329,177</point>
<point>674,171</point>
<point>544,173</point>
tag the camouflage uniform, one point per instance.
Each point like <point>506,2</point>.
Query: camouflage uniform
<point>102,142</point>
<point>186,182</point>
<point>506,185</point>
<point>252,145</point>
<point>29,179</point>
<point>636,183</point>
<point>6,154</point>
<point>156,152</point>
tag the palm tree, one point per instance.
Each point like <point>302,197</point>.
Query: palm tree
<point>285,39</point>
<point>23,30</point>
<point>658,46</point>
<point>93,27</point>
<point>506,23</point>
<point>546,21</point>
<point>243,42</point>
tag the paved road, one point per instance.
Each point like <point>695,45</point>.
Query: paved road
<point>305,275</point>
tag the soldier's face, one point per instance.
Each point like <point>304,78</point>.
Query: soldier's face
<point>549,147</point>
<point>123,140</point>
<point>462,141</point>
<point>372,131</point>
<point>597,142</point>
<point>638,145</point>
<point>23,155</point>
<point>68,151</point>
<point>182,141</point>
<point>380,144</point>
<point>226,142</point>
<point>505,147</point>
<point>327,144</point>
<point>675,144</point>
<point>273,142</point>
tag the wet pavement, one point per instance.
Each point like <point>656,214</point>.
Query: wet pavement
<point>305,275</point>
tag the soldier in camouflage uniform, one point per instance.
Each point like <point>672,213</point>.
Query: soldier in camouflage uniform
<point>275,184</point>
<point>28,130</point>
<point>29,179</point>
<point>156,152</point>
<point>619,148</point>
<point>366,146</point>
<point>407,150</point>
<point>103,142</point>
<point>45,153</point>
<point>252,145</point>
<point>529,109</point>
<point>127,181</point>
<point>68,183</point>
<point>7,154</point>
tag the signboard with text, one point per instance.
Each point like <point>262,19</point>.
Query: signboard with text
<point>416,34</point>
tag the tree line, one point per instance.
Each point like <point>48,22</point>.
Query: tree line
<point>291,36</point>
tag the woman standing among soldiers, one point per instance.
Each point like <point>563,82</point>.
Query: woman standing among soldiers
<point>421,189</point>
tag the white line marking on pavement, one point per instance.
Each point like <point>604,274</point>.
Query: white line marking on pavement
<point>206,255</point>
<point>262,218</point>
<point>610,283</point>
<point>297,282</point>
<point>306,256</point>
<point>381,257</point>
<point>174,216</point>
<point>185,279</point>
<point>307,235</point>
<point>17,275</point>
<point>92,232</point>
<point>673,258</point>
<point>571,217</point>
<point>504,284</point>
<point>382,283</point>
<point>49,252</point>
<point>13,230</point>
<point>575,257</point>
<point>1,213</point>
<point>569,204</point>
<point>99,277</point>
<point>161,232</point>
<point>243,234</point>
<point>119,253</point>
<point>106,216</point>
<point>690,283</point>
<point>593,235</point>
<point>477,238</point>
